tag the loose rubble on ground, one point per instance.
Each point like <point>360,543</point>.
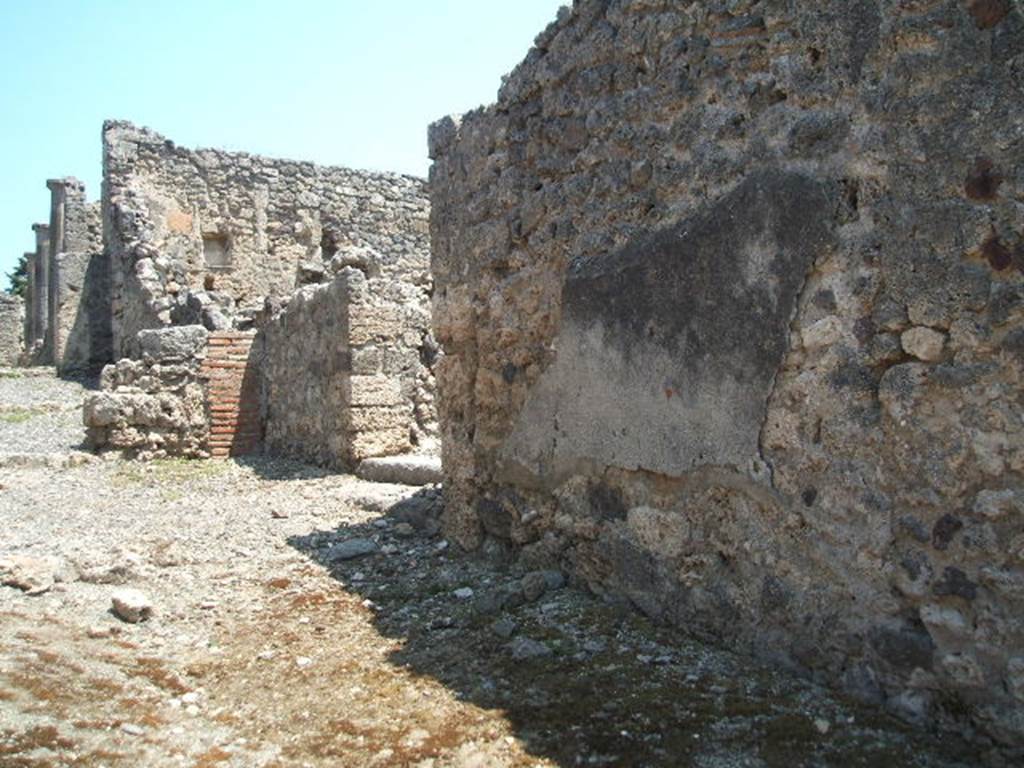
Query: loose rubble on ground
<point>267,613</point>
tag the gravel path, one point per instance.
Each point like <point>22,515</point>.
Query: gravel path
<point>39,413</point>
<point>309,619</point>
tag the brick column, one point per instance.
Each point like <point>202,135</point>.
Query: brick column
<point>233,393</point>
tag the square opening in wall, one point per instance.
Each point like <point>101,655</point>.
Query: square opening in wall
<point>328,246</point>
<point>216,252</point>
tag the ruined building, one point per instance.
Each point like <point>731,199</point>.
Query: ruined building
<point>239,303</point>
<point>67,322</point>
<point>260,302</point>
<point>730,305</point>
<point>731,301</point>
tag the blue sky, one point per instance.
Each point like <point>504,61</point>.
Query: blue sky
<point>339,82</point>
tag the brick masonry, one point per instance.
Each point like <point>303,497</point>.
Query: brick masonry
<point>231,373</point>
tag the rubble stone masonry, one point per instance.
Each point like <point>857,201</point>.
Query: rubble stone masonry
<point>204,236</point>
<point>347,372</point>
<point>77,336</point>
<point>12,322</point>
<point>155,405</point>
<point>731,303</point>
<point>67,320</point>
<point>312,282</point>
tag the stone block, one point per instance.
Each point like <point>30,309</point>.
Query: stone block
<point>406,470</point>
<point>174,344</point>
<point>373,391</point>
<point>371,418</point>
<point>364,445</point>
<point>369,323</point>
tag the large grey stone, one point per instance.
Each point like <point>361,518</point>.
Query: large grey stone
<point>405,470</point>
<point>351,549</point>
<point>172,344</point>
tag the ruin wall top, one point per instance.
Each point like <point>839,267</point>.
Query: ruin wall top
<point>237,227</point>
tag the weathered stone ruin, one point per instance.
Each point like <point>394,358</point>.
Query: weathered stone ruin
<point>67,318</point>
<point>731,304</point>
<point>155,403</point>
<point>347,370</point>
<point>312,282</point>
<point>12,324</point>
<point>78,305</point>
<point>729,309</point>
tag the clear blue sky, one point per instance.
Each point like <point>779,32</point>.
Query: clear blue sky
<point>339,82</point>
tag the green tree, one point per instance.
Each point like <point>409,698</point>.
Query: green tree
<point>17,280</point>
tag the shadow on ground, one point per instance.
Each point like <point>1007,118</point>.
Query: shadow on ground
<point>581,681</point>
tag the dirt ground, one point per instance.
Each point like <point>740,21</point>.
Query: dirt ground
<point>303,618</point>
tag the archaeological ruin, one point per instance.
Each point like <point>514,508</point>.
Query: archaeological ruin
<point>259,302</point>
<point>718,310</point>
<point>66,322</point>
<point>730,298</point>
<point>238,304</point>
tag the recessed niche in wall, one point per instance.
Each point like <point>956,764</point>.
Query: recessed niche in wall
<point>216,251</point>
<point>328,246</point>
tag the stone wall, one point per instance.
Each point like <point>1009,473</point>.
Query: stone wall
<point>156,405</point>
<point>342,370</point>
<point>12,323</point>
<point>731,304</point>
<point>347,371</point>
<point>204,236</point>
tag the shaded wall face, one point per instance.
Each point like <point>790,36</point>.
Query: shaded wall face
<point>38,287</point>
<point>241,227</point>
<point>28,333</point>
<point>730,307</point>
<point>305,376</point>
<point>80,316</point>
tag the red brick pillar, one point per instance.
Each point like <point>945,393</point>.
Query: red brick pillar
<point>232,380</point>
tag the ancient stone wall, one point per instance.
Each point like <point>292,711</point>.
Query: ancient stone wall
<point>305,373</point>
<point>731,304</point>
<point>154,406</point>
<point>12,324</point>
<point>347,371</point>
<point>203,236</point>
